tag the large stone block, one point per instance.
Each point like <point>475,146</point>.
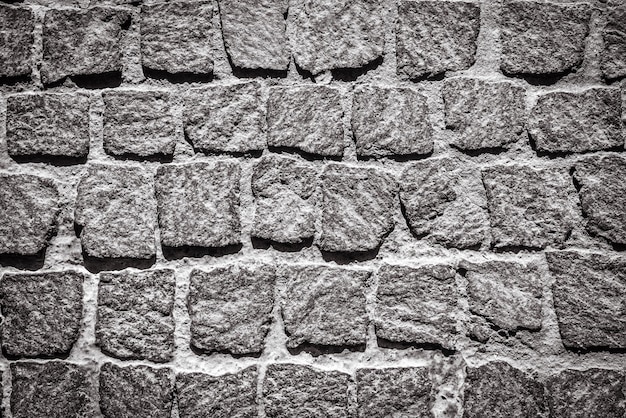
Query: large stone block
<point>16,41</point>
<point>614,35</point>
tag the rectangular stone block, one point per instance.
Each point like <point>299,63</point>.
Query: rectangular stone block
<point>16,41</point>
<point>614,36</point>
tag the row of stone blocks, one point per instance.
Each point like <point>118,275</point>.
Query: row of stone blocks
<point>495,389</point>
<point>432,37</point>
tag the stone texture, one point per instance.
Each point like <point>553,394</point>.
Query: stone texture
<point>227,396</point>
<point>499,390</point>
<point>445,202</point>
<point>614,35</point>
<point>394,392</point>
<point>231,308</point>
<point>543,38</point>
<point>117,212</point>
<point>176,37</point>
<point>335,34</point>
<point>390,121</point>
<point>529,207</point>
<point>589,299</point>
<point>82,42</point>
<point>135,392</point>
<point>52,390</point>
<point>587,393</point>
<point>291,390</point>
<point>324,306</point>
<point>225,118</point>
<point>16,40</point>
<point>417,305</point>
<point>135,315</point>
<point>484,114</point>
<point>255,33</point>
<point>434,37</point>
<point>307,118</point>
<point>357,208</point>
<point>138,123</point>
<point>48,125</point>
<point>577,122</point>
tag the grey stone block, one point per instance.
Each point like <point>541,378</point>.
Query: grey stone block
<point>17,25</point>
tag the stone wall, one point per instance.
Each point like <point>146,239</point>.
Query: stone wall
<point>312,208</point>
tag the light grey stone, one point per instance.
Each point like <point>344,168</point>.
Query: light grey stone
<point>16,40</point>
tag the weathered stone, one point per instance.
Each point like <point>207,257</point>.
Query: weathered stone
<point>434,37</point>
<point>135,314</point>
<point>308,118</point>
<point>53,389</point>
<point>225,118</point>
<point>176,37</point>
<point>577,122</point>
<point>335,34</point>
<point>48,125</point>
<point>484,114</point>
<point>135,392</point>
<point>231,308</point>
<point>283,189</point>
<point>117,212</point>
<point>254,33</point>
<point>82,42</point>
<point>417,305</point>
<point>16,41</point>
<point>138,123</point>
<point>587,393</point>
<point>389,121</point>
<point>291,390</point>
<point>199,204</point>
<point>614,35</point>
<point>28,211</point>
<point>357,208</point>
<point>445,202</point>
<point>394,392</point>
<point>499,390</point>
<point>227,396</point>
<point>589,299</point>
<point>543,38</point>
<point>324,306</point>
<point>529,207</point>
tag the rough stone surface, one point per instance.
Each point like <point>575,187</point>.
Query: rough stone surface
<point>225,118</point>
<point>48,125</point>
<point>16,40</point>
<point>176,37</point>
<point>292,390</point>
<point>335,34</point>
<point>543,38</point>
<point>529,207</point>
<point>445,202</point>
<point>434,37</point>
<point>394,392</point>
<point>283,189</point>
<point>357,207</point>
<point>577,122</point>
<point>227,396</point>
<point>417,305</point>
<point>52,390</point>
<point>484,114</point>
<point>135,315</point>
<point>116,210</point>
<point>198,204</point>
<point>390,121</point>
<point>135,392</point>
<point>499,390</point>
<point>82,42</point>
<point>255,33</point>
<point>589,299</point>
<point>231,308</point>
<point>614,35</point>
<point>324,306</point>
<point>307,118</point>
<point>138,123</point>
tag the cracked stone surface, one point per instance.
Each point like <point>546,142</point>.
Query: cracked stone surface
<point>16,41</point>
<point>614,36</point>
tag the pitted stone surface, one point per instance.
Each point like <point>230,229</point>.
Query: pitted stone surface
<point>42,313</point>
<point>589,299</point>
<point>16,41</point>
<point>614,35</point>
<point>434,37</point>
<point>231,308</point>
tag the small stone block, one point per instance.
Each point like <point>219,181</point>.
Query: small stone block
<point>614,35</point>
<point>16,41</point>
